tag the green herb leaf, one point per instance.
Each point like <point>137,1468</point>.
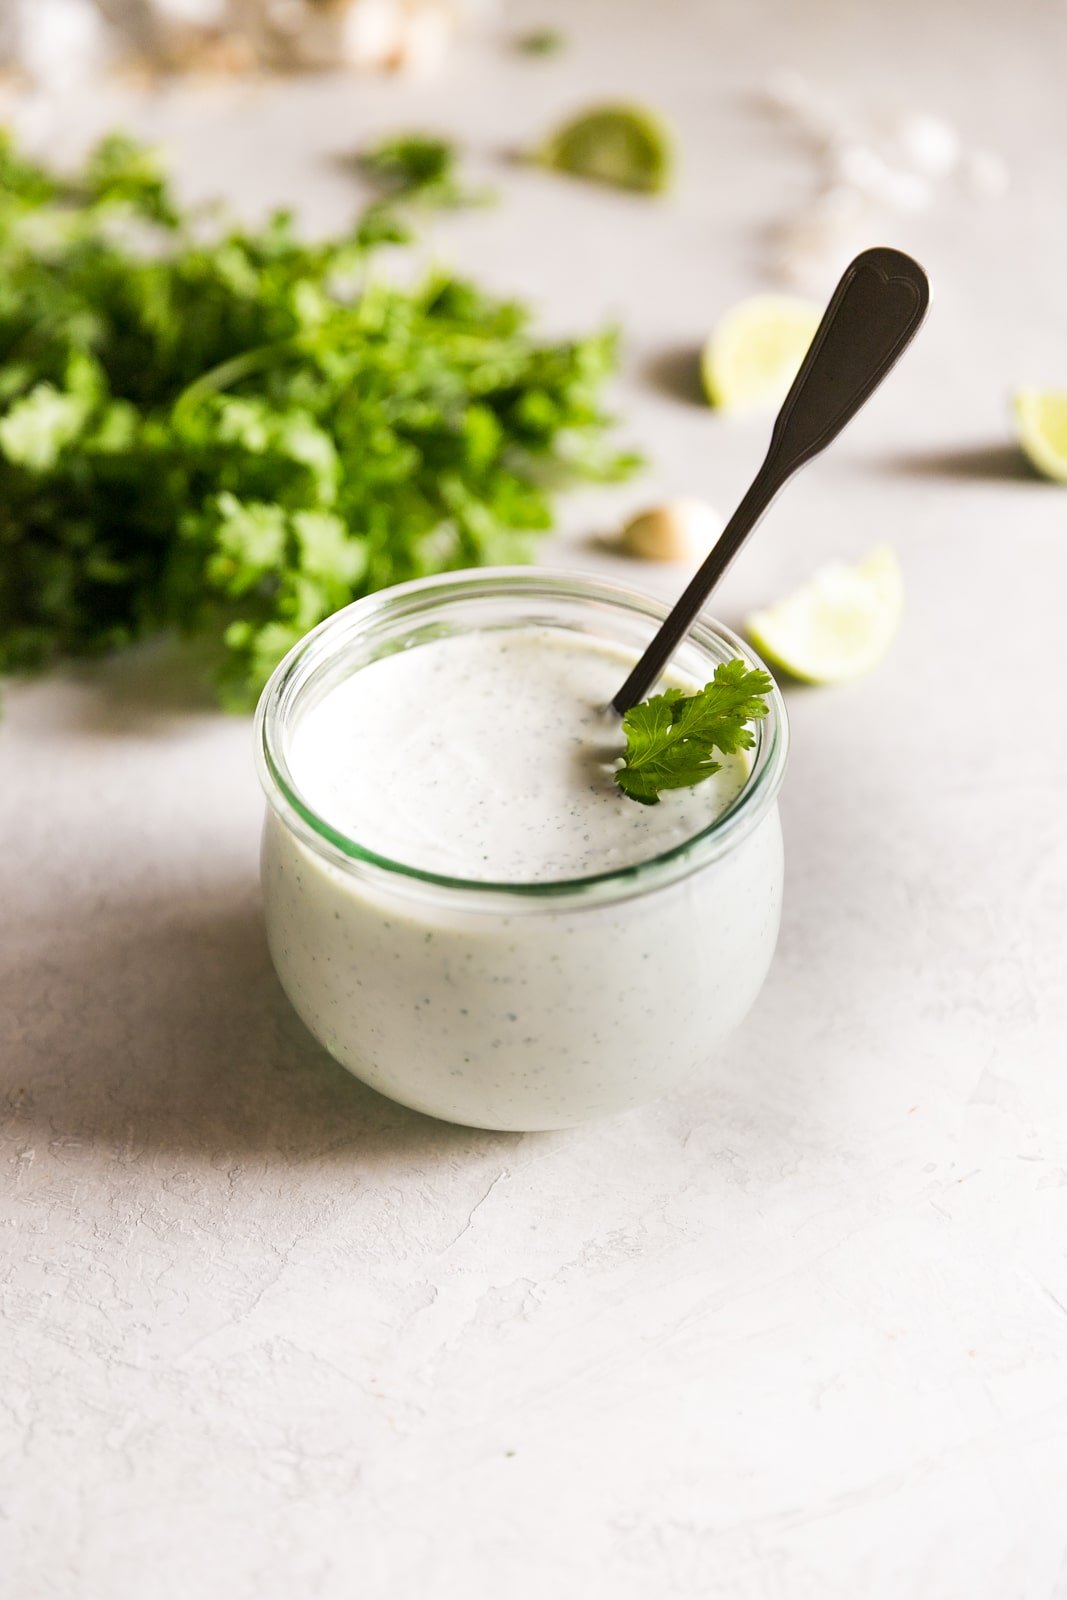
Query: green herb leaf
<point>670,738</point>
<point>416,166</point>
<point>541,42</point>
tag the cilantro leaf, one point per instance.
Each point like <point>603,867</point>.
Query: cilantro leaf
<point>36,428</point>
<point>416,166</point>
<point>541,42</point>
<point>670,738</point>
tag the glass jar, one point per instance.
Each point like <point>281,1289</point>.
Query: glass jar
<point>515,1006</point>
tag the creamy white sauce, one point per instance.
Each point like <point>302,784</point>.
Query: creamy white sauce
<point>490,756</point>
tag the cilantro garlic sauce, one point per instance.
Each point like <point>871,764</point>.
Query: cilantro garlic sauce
<point>490,756</point>
<point>486,755</point>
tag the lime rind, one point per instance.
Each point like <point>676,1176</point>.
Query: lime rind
<point>754,351</point>
<point>625,146</point>
<point>836,627</point>
<point>1041,428</point>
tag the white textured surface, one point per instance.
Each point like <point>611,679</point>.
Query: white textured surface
<point>799,1333</point>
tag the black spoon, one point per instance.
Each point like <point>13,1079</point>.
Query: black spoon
<point>875,312</point>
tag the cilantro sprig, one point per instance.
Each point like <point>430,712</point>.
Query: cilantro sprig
<point>671,738</point>
<point>231,431</point>
<point>419,167</point>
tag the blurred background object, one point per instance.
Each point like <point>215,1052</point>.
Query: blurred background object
<point>873,162</point>
<point>52,42</point>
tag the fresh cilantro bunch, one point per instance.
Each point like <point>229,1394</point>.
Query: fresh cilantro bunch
<point>235,437</point>
<point>671,738</point>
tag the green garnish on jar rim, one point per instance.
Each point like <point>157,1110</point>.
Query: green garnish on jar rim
<point>671,738</point>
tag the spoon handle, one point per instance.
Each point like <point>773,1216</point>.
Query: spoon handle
<point>875,312</point>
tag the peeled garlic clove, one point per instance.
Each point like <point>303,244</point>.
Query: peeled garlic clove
<point>862,168</point>
<point>679,530</point>
<point>929,145</point>
<point>371,32</point>
<point>792,98</point>
<point>61,43</point>
<point>423,43</point>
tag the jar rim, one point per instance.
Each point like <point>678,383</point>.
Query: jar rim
<point>343,629</point>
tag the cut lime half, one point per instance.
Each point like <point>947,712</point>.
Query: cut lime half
<point>627,146</point>
<point>838,625</point>
<point>1041,424</point>
<point>753,353</point>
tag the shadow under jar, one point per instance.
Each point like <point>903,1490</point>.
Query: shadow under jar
<point>515,1005</point>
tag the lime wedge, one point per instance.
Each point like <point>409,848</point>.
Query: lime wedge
<point>753,353</point>
<point>838,626</point>
<point>1041,423</point>
<point>623,145</point>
